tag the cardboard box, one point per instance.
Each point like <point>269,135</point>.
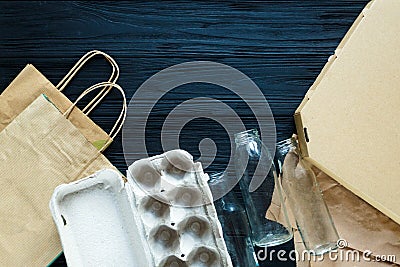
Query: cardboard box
<point>347,122</point>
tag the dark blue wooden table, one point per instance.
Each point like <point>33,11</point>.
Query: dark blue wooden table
<point>280,45</point>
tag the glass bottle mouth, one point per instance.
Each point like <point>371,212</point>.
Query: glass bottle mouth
<point>285,145</point>
<point>246,136</point>
<point>216,177</point>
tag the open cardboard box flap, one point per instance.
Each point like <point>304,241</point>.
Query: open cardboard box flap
<point>347,123</point>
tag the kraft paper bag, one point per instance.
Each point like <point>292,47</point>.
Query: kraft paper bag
<point>39,150</point>
<point>30,83</point>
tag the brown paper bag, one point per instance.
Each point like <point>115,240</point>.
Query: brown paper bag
<point>30,83</point>
<point>39,150</point>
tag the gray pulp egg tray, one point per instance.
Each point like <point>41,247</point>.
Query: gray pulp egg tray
<point>161,215</point>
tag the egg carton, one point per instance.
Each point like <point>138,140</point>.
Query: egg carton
<point>161,215</point>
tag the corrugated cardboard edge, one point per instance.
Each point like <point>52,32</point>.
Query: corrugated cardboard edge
<point>300,127</point>
<point>297,116</point>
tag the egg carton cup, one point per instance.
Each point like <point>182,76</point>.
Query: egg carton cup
<point>162,214</point>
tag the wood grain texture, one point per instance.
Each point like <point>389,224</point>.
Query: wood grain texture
<point>280,45</point>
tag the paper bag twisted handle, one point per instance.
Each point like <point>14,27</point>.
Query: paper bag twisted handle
<point>121,118</point>
<point>76,68</point>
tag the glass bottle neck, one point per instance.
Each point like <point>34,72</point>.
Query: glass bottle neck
<point>284,146</point>
<point>246,137</point>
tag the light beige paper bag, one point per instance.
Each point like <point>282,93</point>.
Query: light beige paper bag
<point>39,150</point>
<point>30,83</point>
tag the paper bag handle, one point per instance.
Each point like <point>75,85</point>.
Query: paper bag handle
<point>121,118</point>
<point>78,65</point>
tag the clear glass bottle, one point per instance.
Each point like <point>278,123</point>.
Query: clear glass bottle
<point>305,198</point>
<point>258,182</point>
<point>234,223</point>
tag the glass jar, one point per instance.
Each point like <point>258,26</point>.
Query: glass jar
<point>258,183</point>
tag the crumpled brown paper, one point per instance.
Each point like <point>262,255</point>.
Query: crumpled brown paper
<point>362,226</point>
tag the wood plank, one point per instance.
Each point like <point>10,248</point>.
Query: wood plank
<point>280,45</point>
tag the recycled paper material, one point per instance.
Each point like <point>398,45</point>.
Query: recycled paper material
<point>348,121</point>
<point>27,86</point>
<point>361,226</point>
<point>96,223</point>
<point>162,216</point>
<point>39,150</point>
